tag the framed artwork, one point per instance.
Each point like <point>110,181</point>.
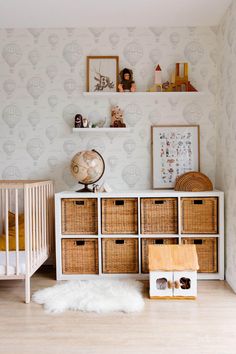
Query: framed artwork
<point>175,150</point>
<point>102,73</point>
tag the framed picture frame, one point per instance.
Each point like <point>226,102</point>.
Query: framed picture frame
<point>102,73</point>
<point>175,150</point>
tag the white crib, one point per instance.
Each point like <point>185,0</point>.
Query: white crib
<point>26,228</point>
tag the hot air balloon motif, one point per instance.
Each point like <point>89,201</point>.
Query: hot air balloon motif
<point>133,52</point>
<point>193,52</point>
<point>11,116</point>
<point>9,87</point>
<point>35,33</point>
<point>112,162</point>
<point>53,39</point>
<point>51,72</point>
<point>131,174</point>
<point>192,113</point>
<point>154,116</point>
<point>52,101</point>
<point>155,55</point>
<point>35,87</point>
<point>72,53</point>
<point>35,148</point>
<point>157,31</point>
<point>51,133</point>
<point>12,173</point>
<point>69,86</point>
<point>173,101</point>
<point>34,119</point>
<point>9,147</point>
<point>69,147</point>
<point>129,146</point>
<point>12,54</point>
<point>96,31</point>
<point>132,114</point>
<point>33,57</point>
<point>69,31</point>
<point>114,39</point>
<point>174,39</point>
<point>9,31</point>
<point>53,162</point>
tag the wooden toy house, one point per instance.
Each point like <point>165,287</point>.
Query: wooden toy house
<point>173,271</point>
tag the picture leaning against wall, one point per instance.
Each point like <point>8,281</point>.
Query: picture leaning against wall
<point>175,150</point>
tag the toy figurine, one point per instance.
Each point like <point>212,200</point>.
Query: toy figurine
<point>127,83</point>
<point>85,122</point>
<point>117,118</point>
<point>78,121</point>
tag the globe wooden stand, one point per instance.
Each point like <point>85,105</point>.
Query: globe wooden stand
<point>85,189</point>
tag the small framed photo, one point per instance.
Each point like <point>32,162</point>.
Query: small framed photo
<point>102,73</point>
<point>175,150</point>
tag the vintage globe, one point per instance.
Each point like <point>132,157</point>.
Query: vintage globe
<point>87,167</point>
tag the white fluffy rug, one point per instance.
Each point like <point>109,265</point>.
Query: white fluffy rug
<point>100,296</point>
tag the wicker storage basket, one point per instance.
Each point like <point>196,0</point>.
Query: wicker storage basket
<point>79,256</point>
<point>79,216</point>
<point>199,215</point>
<point>120,255</point>
<point>153,241</point>
<point>206,251</point>
<point>159,216</point>
<point>120,216</point>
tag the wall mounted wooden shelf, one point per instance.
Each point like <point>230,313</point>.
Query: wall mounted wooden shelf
<point>101,130</point>
<point>146,94</point>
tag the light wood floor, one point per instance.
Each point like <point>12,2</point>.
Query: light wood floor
<point>207,325</point>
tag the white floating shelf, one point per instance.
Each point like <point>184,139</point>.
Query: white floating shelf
<point>134,94</point>
<point>100,130</point>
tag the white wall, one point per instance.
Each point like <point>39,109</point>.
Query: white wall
<point>226,138</point>
<point>41,83</point>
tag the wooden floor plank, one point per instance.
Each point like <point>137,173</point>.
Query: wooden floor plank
<point>205,325</point>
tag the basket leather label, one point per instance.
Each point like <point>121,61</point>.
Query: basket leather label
<point>79,202</point>
<point>120,242</point>
<point>119,202</point>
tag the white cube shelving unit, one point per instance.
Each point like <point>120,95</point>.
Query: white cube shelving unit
<point>138,195</point>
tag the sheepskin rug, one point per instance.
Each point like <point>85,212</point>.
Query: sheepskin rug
<point>101,296</point>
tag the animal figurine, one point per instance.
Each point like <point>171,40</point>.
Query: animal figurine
<point>78,121</point>
<point>117,118</point>
<point>127,83</point>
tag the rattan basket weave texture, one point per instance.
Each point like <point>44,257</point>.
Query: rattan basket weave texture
<point>120,255</point>
<point>79,256</point>
<point>159,216</point>
<point>199,215</point>
<point>153,241</point>
<point>193,182</point>
<point>206,251</point>
<point>119,216</point>
<point>79,216</point>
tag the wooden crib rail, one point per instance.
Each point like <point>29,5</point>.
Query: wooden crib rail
<point>39,223</point>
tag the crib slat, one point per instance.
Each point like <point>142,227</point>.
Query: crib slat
<point>7,231</point>
<point>17,231</point>
<point>33,225</point>
<point>36,224</point>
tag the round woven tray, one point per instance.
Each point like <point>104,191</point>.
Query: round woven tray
<point>193,182</point>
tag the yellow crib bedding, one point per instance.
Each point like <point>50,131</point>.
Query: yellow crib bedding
<point>12,233</point>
